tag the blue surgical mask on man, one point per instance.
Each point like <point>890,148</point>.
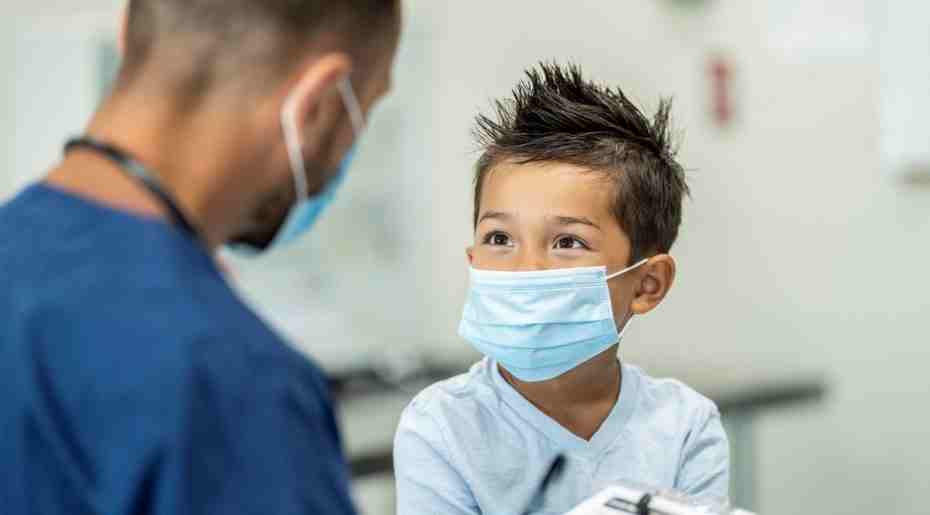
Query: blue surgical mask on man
<point>541,324</point>
<point>307,209</point>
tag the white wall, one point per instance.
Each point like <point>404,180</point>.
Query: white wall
<point>48,60</point>
<point>7,111</point>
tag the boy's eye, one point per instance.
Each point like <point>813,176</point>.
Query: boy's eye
<point>569,242</point>
<point>498,239</point>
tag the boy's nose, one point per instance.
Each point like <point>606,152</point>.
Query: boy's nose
<point>530,261</point>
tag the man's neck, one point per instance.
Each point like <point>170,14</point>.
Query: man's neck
<point>581,399</point>
<point>184,158</point>
<point>95,178</point>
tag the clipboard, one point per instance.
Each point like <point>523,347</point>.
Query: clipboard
<point>627,500</point>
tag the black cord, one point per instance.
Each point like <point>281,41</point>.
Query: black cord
<point>552,473</point>
<point>642,507</point>
<point>137,171</point>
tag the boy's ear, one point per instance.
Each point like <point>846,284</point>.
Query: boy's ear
<point>470,252</point>
<point>655,280</point>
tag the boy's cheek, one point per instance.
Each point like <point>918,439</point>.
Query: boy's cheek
<point>490,261</point>
<point>484,260</point>
<point>620,300</point>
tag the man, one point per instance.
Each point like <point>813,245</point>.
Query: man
<point>133,379</point>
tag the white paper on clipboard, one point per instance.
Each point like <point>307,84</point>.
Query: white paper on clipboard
<point>620,499</point>
<point>812,30</point>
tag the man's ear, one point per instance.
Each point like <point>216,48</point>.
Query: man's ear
<point>470,252</point>
<point>317,80</point>
<point>655,280</point>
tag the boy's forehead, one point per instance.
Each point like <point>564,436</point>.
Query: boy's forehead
<point>547,188</point>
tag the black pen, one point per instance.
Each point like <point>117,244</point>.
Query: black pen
<point>552,473</point>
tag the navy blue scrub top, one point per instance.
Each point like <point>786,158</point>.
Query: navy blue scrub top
<point>134,381</point>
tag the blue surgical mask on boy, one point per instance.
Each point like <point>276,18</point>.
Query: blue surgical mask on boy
<point>541,324</point>
<point>307,209</point>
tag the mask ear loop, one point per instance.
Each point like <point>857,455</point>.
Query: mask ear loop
<point>352,106</point>
<point>292,133</point>
<point>628,269</point>
<point>294,150</point>
<point>618,274</point>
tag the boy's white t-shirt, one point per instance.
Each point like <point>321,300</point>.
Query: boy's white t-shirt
<point>474,445</point>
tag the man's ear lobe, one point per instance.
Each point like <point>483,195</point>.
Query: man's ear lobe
<point>470,253</point>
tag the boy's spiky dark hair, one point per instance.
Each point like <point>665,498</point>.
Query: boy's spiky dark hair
<point>556,115</point>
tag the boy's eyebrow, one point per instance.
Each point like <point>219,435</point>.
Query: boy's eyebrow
<point>495,215</point>
<point>573,220</point>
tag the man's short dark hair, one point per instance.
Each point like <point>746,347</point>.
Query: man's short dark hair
<point>227,40</point>
<point>555,115</point>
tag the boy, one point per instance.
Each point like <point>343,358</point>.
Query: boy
<point>577,203</point>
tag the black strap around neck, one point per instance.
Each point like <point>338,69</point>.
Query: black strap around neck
<point>138,171</point>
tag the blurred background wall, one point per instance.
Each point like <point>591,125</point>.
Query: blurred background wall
<point>803,253</point>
